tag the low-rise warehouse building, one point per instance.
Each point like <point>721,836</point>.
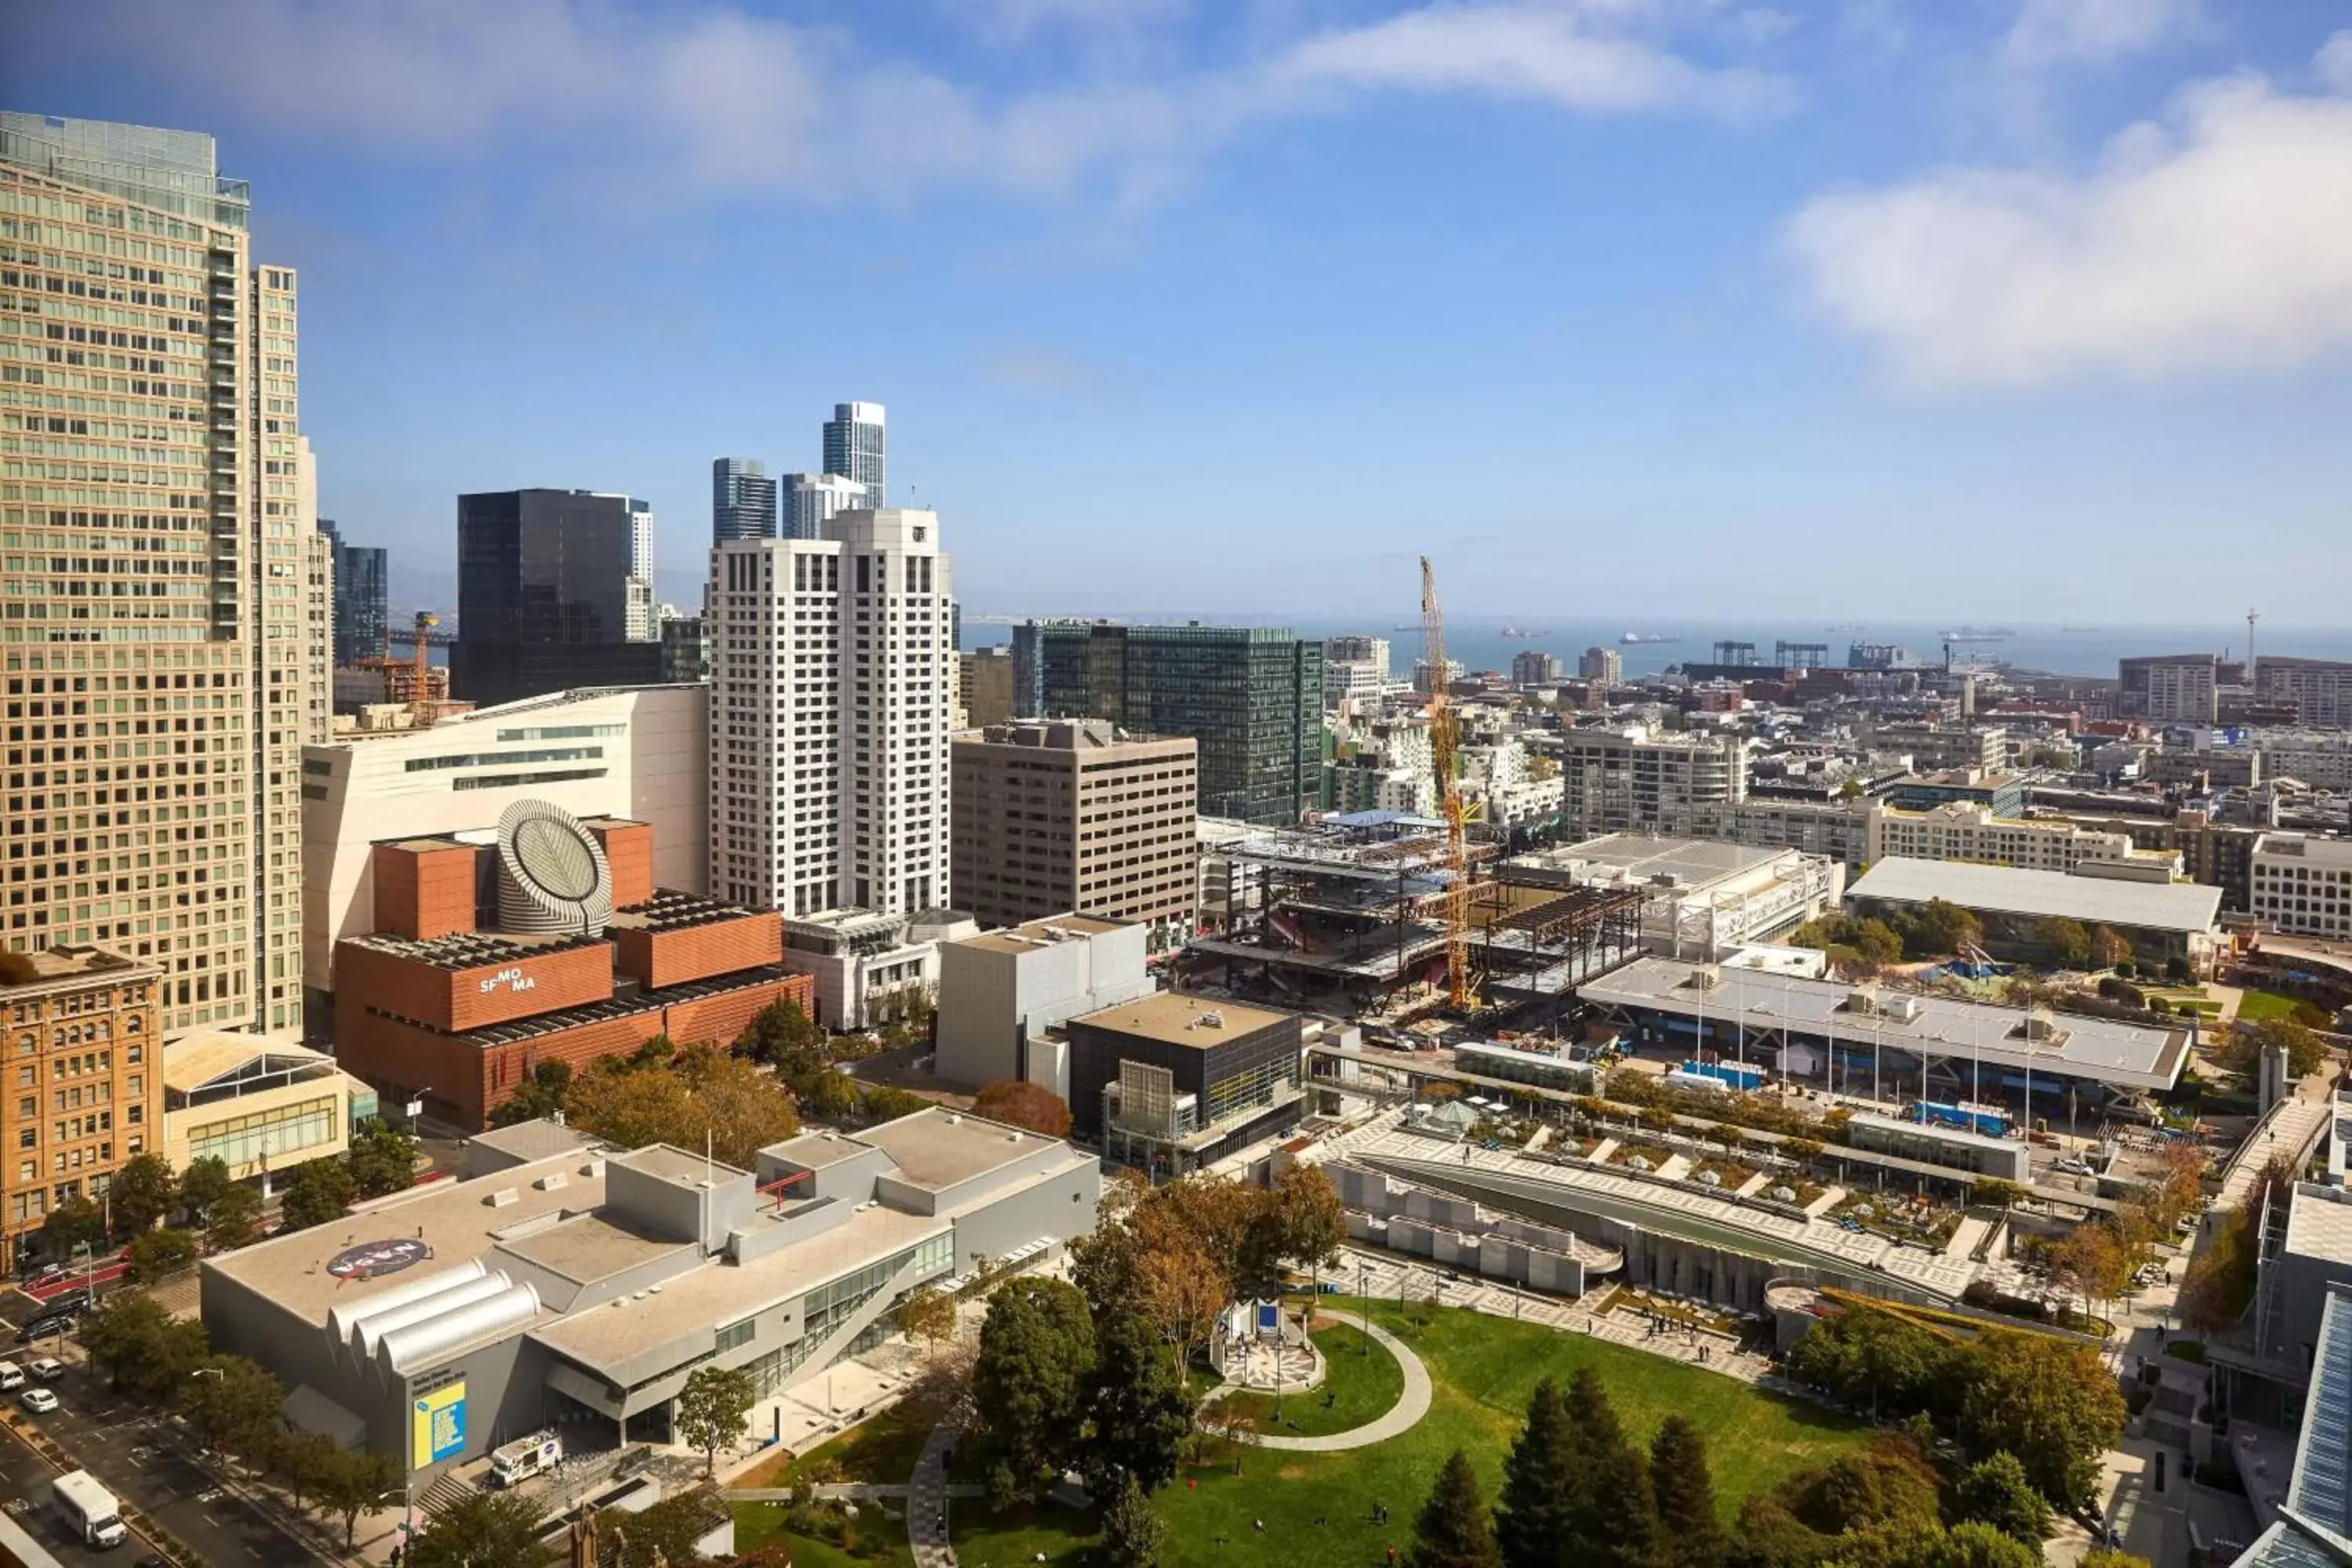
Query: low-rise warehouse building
<point>2162,919</point>
<point>1890,1045</point>
<point>573,1287</point>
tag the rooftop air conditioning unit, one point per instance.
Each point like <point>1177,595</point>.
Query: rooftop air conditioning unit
<point>1903,1009</point>
<point>1861,999</point>
<point>1705,976</point>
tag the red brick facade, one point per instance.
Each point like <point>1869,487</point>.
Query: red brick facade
<point>629,854</point>
<point>474,997</point>
<point>424,891</point>
<point>662,959</point>
<point>467,1079</point>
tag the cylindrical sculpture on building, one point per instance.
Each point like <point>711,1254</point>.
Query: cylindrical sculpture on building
<point>551,873</point>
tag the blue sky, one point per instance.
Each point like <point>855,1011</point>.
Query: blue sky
<point>2036,309</point>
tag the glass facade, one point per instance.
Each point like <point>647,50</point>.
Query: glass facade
<point>545,588</point>
<point>742,500</point>
<point>1252,696</point>
<point>362,593</point>
<point>281,1135</point>
<point>855,448</point>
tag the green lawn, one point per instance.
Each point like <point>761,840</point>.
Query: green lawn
<point>1359,1386</point>
<point>756,1521</point>
<point>1483,1369</point>
<point>2256,1006</point>
<point>882,1449</point>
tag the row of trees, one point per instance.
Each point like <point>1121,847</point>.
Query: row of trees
<point>216,1213</point>
<point>2219,1284</point>
<point>2050,1405</point>
<point>1576,1489</point>
<point>1937,928</point>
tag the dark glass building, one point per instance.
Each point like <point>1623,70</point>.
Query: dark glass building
<point>1170,1083</point>
<point>363,596</point>
<point>544,590</point>
<point>742,500</point>
<point>1252,696</point>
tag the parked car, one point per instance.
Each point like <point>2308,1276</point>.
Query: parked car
<point>41,1328</point>
<point>12,1376</point>
<point>47,1368</point>
<point>39,1401</point>
<point>66,1303</point>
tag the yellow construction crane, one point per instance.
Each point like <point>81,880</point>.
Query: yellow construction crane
<point>1445,737</point>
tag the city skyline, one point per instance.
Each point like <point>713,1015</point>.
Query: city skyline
<point>1642,268</point>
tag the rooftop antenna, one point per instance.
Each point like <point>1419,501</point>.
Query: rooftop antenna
<point>2251,617</point>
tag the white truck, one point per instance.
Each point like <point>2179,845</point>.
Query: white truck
<point>518,1461</point>
<point>88,1510</point>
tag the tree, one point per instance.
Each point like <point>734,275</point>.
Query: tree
<point>1452,1531</point>
<point>298,1458</point>
<point>667,1531</point>
<point>1876,942</point>
<point>1767,1535</point>
<point>142,1192</point>
<point>1939,928</point>
<point>1030,1384</point>
<point>347,1482</point>
<point>233,1404</point>
<point>2107,949</point>
<point>2107,1557</point>
<point>1139,1407</point>
<point>1993,1190</point>
<point>2055,1405</point>
<point>201,1184</point>
<point>1181,1291</point>
<point>158,1254</point>
<point>631,1106</point>
<point>744,1109</point>
<point>141,1346</point>
<point>2306,1053</point>
<point>482,1530</point>
<point>383,1160</point>
<point>1131,1533</point>
<point>1307,1219</point>
<point>887,1103</point>
<point>234,1217</point>
<point>2092,1263</point>
<point>828,1095</point>
<point>1889,1481</point>
<point>73,1223</point>
<point>1610,1518</point>
<point>712,1408</point>
<point>928,1315</point>
<point>540,1095</point>
<point>1019,1104</point>
<point>1538,1474</point>
<point>2064,940</point>
<point>782,1036</point>
<point>1683,1489</point>
<point>1995,1492</point>
<point>663,1095</point>
<point>317,1192</point>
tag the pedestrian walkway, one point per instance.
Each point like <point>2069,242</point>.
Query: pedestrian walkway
<point>1966,1235</point>
<point>926,1499</point>
<point>1400,1417</point>
<point>1826,1201</point>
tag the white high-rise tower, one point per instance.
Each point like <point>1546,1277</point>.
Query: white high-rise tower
<point>855,450</point>
<point>830,664</point>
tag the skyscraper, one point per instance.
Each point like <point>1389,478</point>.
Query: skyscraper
<point>549,595</point>
<point>829,717</point>
<point>806,500</point>
<point>363,596</point>
<point>166,588</point>
<point>1252,696</point>
<point>853,448</point>
<point>742,500</point>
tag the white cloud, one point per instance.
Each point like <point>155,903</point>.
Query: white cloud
<point>719,101</point>
<point>2334,62</point>
<point>1535,51</point>
<point>2220,241</point>
<point>2052,32</point>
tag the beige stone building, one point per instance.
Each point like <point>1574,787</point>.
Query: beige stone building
<point>85,1087</point>
<point>260,1106</point>
<point>156,504</point>
<point>1076,815</point>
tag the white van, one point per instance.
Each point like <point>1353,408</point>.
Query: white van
<point>12,1377</point>
<point>88,1510</point>
<point>518,1461</point>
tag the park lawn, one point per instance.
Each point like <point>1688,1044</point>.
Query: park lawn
<point>757,1521</point>
<point>2254,1006</point>
<point>1360,1387</point>
<point>882,1449</point>
<point>1483,1369</point>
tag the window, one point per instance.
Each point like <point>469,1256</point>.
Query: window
<point>735,1335</point>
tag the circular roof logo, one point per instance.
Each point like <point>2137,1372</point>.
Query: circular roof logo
<point>372,1259</point>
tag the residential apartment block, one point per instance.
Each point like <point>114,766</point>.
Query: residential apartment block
<point>2169,689</point>
<point>1640,779</point>
<point>831,679</point>
<point>2304,886</point>
<point>87,1091</point>
<point>157,625</point>
<point>1836,829</point>
<point>1965,830</point>
<point>1077,815</point>
<point>2319,690</point>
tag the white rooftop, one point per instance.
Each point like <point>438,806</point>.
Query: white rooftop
<point>2103,1050</point>
<point>2008,889</point>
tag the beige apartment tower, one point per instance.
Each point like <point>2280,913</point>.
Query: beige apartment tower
<point>156,593</point>
<point>1076,815</point>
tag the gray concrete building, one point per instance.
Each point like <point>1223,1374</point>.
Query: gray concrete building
<point>1003,995</point>
<point>571,1287</point>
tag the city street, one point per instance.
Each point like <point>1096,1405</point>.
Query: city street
<point>135,1452</point>
<point>24,1479</point>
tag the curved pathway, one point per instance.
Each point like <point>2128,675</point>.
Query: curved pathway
<point>1401,1416</point>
